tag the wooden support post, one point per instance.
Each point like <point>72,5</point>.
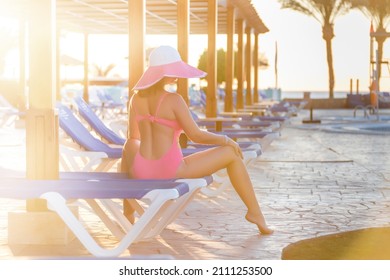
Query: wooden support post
<point>86,63</point>
<point>240,64</point>
<point>42,148</point>
<point>42,119</point>
<point>183,30</point>
<point>229,60</point>
<point>248,66</point>
<point>211,99</point>
<point>136,41</point>
<point>256,69</point>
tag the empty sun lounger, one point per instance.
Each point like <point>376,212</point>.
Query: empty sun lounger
<point>254,124</point>
<point>164,199</point>
<point>99,153</point>
<point>96,123</point>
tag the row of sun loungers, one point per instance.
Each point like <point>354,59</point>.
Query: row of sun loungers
<point>88,144</point>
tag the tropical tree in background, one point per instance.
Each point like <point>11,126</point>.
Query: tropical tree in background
<point>103,71</point>
<point>378,11</point>
<point>325,12</point>
<point>221,64</point>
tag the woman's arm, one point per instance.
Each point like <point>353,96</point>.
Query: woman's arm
<point>191,129</point>
<point>194,133</point>
<point>133,130</point>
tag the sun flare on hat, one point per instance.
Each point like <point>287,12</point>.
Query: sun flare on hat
<point>165,61</point>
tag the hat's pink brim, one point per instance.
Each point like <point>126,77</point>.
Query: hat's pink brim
<point>177,69</point>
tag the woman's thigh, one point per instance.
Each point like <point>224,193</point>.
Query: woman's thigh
<point>206,162</point>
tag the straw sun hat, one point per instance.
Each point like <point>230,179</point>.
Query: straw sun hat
<point>165,61</point>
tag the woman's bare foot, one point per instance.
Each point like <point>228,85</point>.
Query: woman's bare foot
<point>128,211</point>
<point>130,217</point>
<point>260,222</point>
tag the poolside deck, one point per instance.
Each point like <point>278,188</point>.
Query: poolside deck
<point>309,183</point>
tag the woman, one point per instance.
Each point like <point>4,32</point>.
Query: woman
<point>156,120</point>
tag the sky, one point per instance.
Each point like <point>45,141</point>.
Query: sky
<point>302,62</point>
<point>302,53</point>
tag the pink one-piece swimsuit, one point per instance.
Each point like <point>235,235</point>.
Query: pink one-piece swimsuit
<point>166,166</point>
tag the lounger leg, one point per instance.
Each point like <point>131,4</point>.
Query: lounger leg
<point>114,228</point>
<point>158,198</point>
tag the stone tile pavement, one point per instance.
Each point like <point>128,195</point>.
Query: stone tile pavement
<point>309,183</point>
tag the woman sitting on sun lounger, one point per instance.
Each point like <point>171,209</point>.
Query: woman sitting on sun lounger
<point>157,118</point>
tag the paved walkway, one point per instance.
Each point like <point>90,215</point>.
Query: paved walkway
<point>309,183</point>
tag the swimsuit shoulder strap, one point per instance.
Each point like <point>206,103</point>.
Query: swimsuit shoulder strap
<point>159,103</point>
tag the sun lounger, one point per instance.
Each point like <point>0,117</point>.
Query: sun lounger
<point>263,136</point>
<point>120,225</point>
<point>101,157</point>
<point>109,105</point>
<point>166,199</point>
<point>240,124</point>
<point>96,123</point>
<point>56,192</point>
<point>115,209</point>
<point>8,113</point>
<point>247,114</point>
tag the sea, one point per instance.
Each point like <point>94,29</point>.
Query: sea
<point>279,94</point>
<point>314,94</point>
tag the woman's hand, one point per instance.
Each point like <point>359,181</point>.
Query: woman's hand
<point>234,145</point>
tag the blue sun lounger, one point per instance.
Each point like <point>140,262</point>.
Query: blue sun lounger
<point>242,124</point>
<point>194,185</point>
<point>79,133</point>
<point>166,200</point>
<point>96,123</point>
<point>99,156</point>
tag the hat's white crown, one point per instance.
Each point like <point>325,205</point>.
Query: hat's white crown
<point>163,55</point>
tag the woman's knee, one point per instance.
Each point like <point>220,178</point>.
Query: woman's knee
<point>231,153</point>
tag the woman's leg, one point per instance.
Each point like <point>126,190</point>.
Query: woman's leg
<point>128,153</point>
<point>207,162</point>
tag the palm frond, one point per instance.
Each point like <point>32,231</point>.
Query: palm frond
<point>301,6</point>
<point>324,11</point>
<point>376,10</point>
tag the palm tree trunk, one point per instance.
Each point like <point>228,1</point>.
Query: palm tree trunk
<point>380,41</point>
<point>329,57</point>
<point>327,35</point>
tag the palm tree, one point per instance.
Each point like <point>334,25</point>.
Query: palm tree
<point>103,71</point>
<point>325,12</point>
<point>379,13</point>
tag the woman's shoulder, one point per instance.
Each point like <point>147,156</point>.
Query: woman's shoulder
<point>173,96</point>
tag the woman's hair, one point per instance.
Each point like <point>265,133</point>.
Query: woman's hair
<point>152,89</point>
